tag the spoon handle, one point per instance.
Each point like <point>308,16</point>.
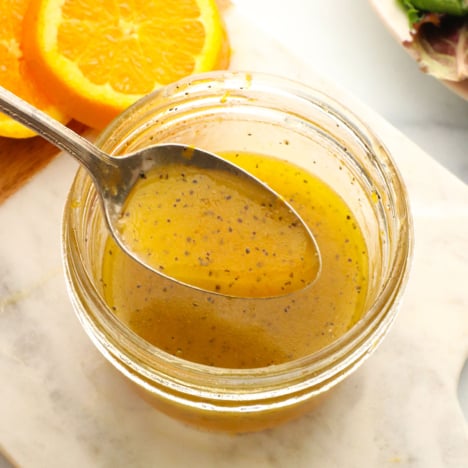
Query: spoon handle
<point>52,130</point>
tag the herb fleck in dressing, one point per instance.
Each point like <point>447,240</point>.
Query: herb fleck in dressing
<point>238,333</point>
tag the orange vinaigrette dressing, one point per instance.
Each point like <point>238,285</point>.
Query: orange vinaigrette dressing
<point>209,229</point>
<point>237,333</point>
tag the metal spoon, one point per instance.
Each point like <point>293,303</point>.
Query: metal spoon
<point>114,177</point>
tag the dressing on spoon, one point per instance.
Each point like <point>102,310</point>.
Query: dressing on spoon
<point>208,229</point>
<point>137,191</point>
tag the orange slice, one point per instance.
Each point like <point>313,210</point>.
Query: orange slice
<point>100,56</point>
<point>14,75</point>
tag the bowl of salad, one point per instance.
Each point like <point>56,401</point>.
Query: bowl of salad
<point>434,33</point>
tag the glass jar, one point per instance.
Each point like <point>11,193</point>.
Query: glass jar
<point>225,111</point>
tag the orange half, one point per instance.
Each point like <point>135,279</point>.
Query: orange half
<point>14,74</point>
<point>97,57</point>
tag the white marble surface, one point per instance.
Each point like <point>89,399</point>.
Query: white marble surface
<point>62,405</point>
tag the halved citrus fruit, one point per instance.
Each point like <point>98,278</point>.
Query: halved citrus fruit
<point>99,56</point>
<point>14,74</point>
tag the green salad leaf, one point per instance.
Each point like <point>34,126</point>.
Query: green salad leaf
<point>413,13</point>
<point>450,7</point>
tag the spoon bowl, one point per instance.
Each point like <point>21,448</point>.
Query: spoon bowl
<point>116,179</point>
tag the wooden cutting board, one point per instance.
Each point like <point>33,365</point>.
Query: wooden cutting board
<point>21,159</point>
